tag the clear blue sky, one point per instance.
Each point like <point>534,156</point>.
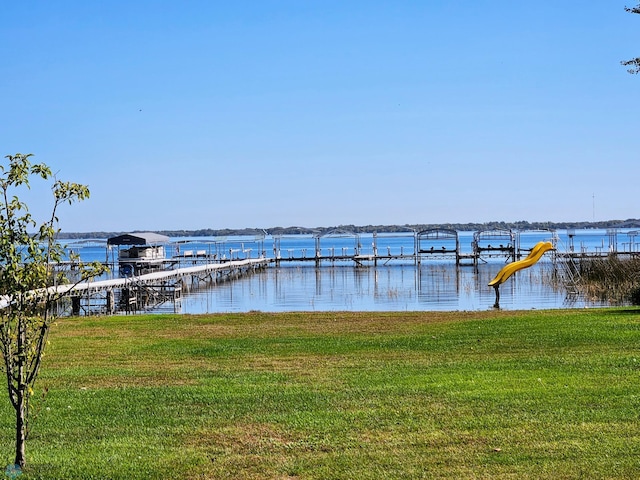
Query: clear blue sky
<point>215,114</point>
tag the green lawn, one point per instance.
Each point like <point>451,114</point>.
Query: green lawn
<point>517,395</point>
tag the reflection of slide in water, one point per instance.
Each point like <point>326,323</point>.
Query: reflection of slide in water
<point>533,257</point>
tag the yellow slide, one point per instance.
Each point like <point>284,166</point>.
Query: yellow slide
<point>510,269</point>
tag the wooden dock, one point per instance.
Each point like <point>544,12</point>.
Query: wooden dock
<point>142,292</point>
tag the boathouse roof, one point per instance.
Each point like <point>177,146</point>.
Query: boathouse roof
<point>138,238</point>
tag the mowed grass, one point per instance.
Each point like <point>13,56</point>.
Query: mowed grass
<point>518,395</point>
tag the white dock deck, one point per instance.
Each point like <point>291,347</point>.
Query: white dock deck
<point>90,286</point>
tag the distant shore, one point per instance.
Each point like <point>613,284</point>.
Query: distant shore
<point>293,230</point>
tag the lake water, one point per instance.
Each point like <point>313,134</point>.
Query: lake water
<point>398,285</point>
<point>383,288</point>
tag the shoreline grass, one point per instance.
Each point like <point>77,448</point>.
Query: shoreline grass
<point>337,395</point>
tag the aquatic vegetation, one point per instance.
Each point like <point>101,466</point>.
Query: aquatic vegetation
<point>612,279</point>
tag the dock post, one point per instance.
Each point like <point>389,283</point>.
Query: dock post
<point>110,302</point>
<point>375,249</point>
<point>75,305</point>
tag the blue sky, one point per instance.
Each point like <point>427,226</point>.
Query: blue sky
<point>211,114</point>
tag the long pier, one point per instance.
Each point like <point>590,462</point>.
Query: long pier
<point>149,290</point>
<point>426,245</point>
<point>444,244</point>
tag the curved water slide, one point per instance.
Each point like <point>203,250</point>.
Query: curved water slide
<point>508,270</point>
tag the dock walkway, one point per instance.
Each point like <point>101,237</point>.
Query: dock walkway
<point>135,293</point>
<point>168,275</point>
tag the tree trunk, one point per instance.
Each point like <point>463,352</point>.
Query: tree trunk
<point>21,395</point>
<point>21,429</point>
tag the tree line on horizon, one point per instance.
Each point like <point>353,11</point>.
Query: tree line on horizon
<point>296,230</point>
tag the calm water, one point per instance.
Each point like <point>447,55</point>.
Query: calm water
<point>396,286</point>
<point>387,288</point>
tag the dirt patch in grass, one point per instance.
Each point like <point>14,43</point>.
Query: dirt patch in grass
<point>257,450</point>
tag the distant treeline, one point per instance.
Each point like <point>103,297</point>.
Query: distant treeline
<point>521,225</point>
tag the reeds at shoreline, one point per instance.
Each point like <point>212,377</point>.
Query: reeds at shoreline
<point>612,279</point>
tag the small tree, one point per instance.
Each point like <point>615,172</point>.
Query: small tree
<point>29,253</point>
<point>634,63</point>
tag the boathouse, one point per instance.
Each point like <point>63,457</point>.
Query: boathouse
<point>140,252</point>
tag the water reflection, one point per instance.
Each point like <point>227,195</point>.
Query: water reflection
<point>435,286</point>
